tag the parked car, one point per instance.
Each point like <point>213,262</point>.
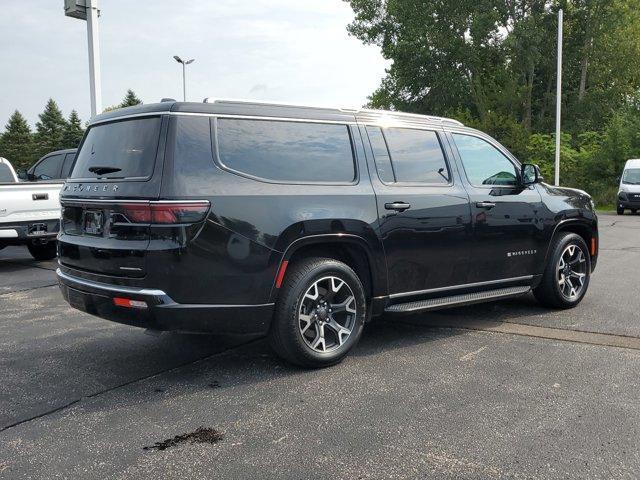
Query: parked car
<point>303,223</point>
<point>629,191</point>
<point>29,213</point>
<point>53,166</point>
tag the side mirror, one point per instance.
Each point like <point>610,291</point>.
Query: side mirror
<point>530,174</point>
<point>22,174</point>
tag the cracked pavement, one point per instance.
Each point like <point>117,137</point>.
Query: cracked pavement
<point>503,390</point>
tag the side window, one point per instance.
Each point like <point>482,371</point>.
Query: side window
<point>48,168</point>
<point>285,151</point>
<point>5,174</point>
<point>68,163</point>
<point>483,163</point>
<point>381,154</point>
<point>417,156</point>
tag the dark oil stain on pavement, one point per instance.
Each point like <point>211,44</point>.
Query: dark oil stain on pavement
<point>201,435</point>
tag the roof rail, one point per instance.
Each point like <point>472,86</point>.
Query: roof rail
<point>276,104</point>
<point>342,109</point>
<point>433,118</point>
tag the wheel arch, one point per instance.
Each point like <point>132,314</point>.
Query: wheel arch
<point>351,249</point>
<point>586,230</point>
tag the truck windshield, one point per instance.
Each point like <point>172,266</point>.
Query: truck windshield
<point>631,176</point>
<point>121,149</point>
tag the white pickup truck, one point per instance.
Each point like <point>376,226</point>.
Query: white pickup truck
<point>29,213</point>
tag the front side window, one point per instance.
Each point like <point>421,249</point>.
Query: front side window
<point>284,151</point>
<point>483,163</point>
<point>631,176</point>
<point>48,168</point>
<point>417,156</point>
<point>121,149</point>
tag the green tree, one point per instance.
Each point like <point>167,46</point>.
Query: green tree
<point>50,129</point>
<point>73,131</point>
<point>130,100</point>
<point>16,143</point>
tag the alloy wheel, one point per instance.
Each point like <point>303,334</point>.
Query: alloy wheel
<point>572,272</point>
<point>327,314</point>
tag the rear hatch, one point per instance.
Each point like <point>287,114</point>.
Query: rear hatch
<point>106,203</point>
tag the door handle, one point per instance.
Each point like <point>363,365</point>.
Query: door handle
<point>398,206</point>
<point>487,205</point>
<point>40,196</point>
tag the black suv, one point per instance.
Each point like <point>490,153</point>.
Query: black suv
<point>303,223</point>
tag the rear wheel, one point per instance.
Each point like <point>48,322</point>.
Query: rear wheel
<point>566,277</point>
<point>634,211</point>
<point>320,313</point>
<point>620,211</point>
<point>43,251</point>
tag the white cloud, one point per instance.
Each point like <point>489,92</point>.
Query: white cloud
<point>283,50</point>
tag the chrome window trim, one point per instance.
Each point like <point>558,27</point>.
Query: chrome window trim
<point>459,287</point>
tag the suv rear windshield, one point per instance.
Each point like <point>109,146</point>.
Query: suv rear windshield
<point>121,149</point>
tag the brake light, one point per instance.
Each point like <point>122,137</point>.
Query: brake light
<point>166,213</point>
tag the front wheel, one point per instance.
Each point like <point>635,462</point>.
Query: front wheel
<point>566,277</point>
<point>43,251</point>
<point>620,211</point>
<point>320,313</point>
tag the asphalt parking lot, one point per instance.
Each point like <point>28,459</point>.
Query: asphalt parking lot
<point>504,390</point>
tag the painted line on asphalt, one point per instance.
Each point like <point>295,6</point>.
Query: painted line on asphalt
<point>549,333</point>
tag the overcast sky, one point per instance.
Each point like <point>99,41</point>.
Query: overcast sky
<point>285,50</point>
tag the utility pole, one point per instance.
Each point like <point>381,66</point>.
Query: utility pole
<point>88,10</point>
<point>184,79</point>
<point>559,98</point>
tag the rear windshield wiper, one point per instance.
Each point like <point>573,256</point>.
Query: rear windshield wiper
<point>103,170</point>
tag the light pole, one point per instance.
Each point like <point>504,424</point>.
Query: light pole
<point>184,81</point>
<point>558,100</point>
<point>88,10</point>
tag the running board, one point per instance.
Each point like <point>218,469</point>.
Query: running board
<point>457,300</point>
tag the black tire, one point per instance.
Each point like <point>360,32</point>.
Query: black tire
<point>43,251</point>
<point>634,211</point>
<point>552,290</point>
<point>286,335</point>
<point>620,211</point>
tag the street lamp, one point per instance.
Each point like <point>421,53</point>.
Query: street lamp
<point>184,82</point>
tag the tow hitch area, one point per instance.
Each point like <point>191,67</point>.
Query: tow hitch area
<point>37,229</point>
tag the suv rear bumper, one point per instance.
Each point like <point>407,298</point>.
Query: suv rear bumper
<point>161,312</point>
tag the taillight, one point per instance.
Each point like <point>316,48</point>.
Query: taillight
<point>165,213</point>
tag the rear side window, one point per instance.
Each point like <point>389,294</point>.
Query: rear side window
<point>48,168</point>
<point>417,156</point>
<point>68,163</point>
<point>192,159</point>
<point>282,151</point>
<point>123,149</point>
<point>381,154</point>
<point>5,174</point>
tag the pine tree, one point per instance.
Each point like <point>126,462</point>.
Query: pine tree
<point>50,129</point>
<point>16,144</point>
<point>73,131</point>
<point>130,99</point>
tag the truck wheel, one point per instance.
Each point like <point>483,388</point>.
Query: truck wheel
<point>566,277</point>
<point>620,211</point>
<point>320,313</point>
<point>43,251</point>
